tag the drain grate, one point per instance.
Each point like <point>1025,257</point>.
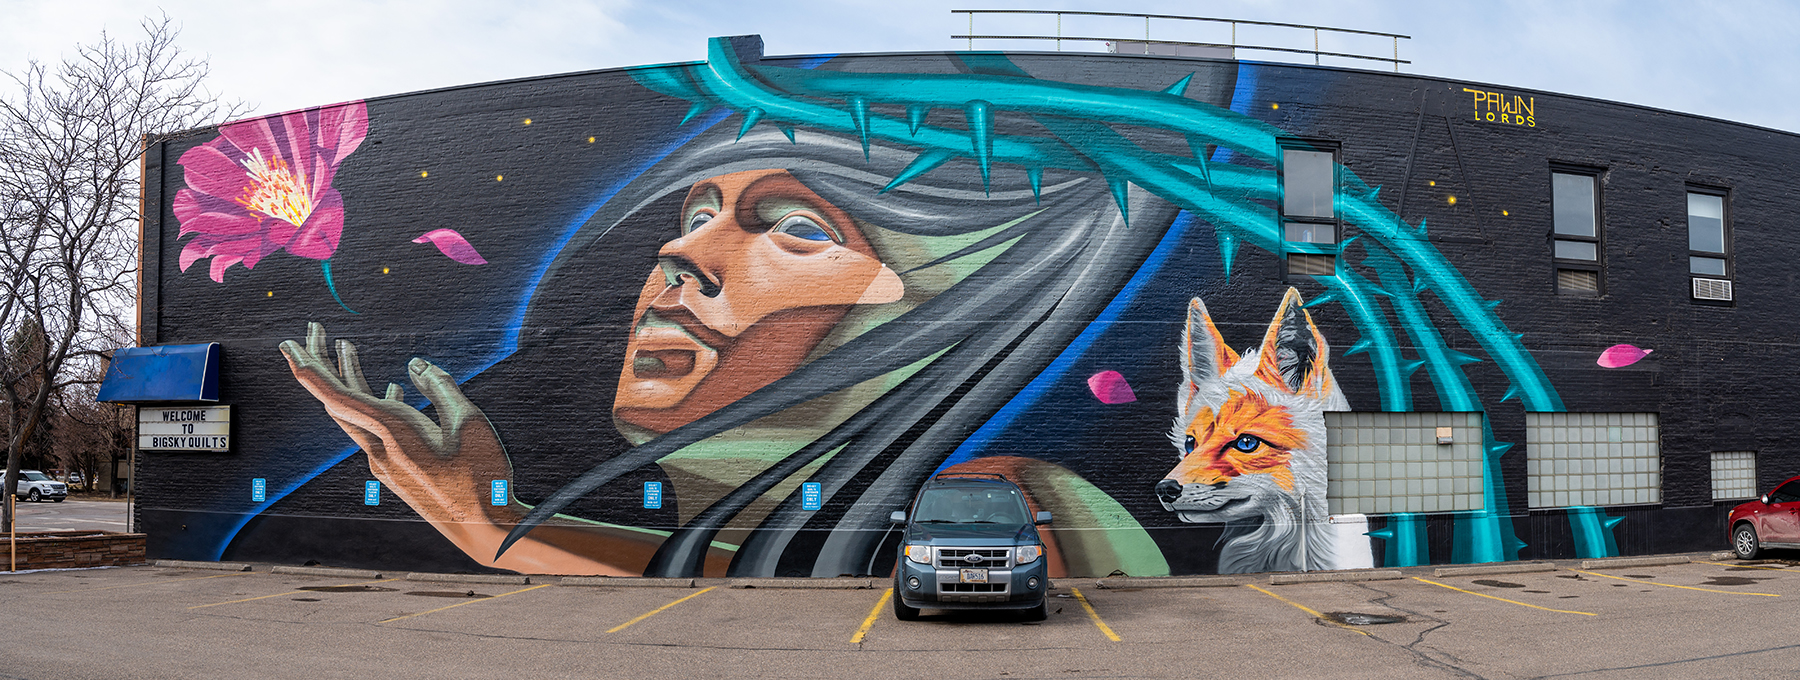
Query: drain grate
<point>347,589</point>
<point>448,593</point>
<point>1361,619</point>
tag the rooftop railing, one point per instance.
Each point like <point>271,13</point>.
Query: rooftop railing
<point>1198,48</point>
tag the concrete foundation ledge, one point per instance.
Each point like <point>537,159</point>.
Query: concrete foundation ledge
<point>189,564</point>
<point>503,579</point>
<point>327,571</point>
<point>1488,569</point>
<point>826,583</point>
<point>1327,576</point>
<point>1726,555</point>
<point>1623,562</point>
<point>1118,583</point>
<point>627,582</point>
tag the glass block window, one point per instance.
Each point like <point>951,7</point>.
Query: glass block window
<point>1577,459</point>
<point>1733,475</point>
<point>1379,463</point>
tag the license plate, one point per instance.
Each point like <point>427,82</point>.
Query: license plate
<point>974,576</point>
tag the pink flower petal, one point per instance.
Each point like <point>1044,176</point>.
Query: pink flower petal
<point>342,129</point>
<point>254,134</point>
<point>209,171</point>
<point>221,224</point>
<point>1110,388</point>
<point>191,253</point>
<point>318,238</point>
<point>1619,356</point>
<point>452,245</point>
<point>220,264</point>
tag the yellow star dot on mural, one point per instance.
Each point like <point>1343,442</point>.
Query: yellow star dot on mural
<point>527,121</point>
<point>499,178</point>
<point>1504,213</point>
<point>423,173</point>
<point>271,293</point>
<point>384,270</point>
<point>1452,200</point>
<point>1274,106</point>
<point>1432,182</point>
<point>590,140</point>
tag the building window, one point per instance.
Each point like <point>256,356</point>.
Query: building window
<point>1378,463</point>
<point>1309,220</point>
<point>1709,245</point>
<point>1575,202</point>
<point>1577,459</point>
<point>1733,475</point>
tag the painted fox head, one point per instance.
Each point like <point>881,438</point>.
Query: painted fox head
<point>1250,435</point>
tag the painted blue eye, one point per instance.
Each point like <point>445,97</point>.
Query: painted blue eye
<point>803,227</point>
<point>697,221</point>
<point>1246,443</point>
<point>1189,447</point>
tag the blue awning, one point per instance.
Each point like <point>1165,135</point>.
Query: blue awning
<point>166,374</point>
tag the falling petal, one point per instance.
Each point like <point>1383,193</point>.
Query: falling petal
<point>1620,356</point>
<point>452,244</point>
<point>1110,388</point>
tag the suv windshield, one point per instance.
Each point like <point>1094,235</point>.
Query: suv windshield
<point>35,476</point>
<point>970,505</point>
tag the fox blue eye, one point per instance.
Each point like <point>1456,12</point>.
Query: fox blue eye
<point>803,227</point>
<point>1189,448</point>
<point>1246,443</point>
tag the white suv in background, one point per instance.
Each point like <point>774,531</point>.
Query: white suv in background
<point>35,486</point>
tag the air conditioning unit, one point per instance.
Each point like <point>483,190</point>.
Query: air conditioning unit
<point>1712,289</point>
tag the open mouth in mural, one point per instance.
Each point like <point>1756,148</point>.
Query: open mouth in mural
<point>666,349</point>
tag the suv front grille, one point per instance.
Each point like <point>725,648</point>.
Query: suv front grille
<point>972,587</point>
<point>991,558</point>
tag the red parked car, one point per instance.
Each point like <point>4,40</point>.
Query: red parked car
<point>1772,521</point>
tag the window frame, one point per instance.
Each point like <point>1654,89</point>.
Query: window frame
<point>1729,254</point>
<point>1596,265</point>
<point>1335,221</point>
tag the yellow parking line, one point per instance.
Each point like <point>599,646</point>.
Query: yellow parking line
<point>656,611</point>
<point>459,604</point>
<point>1671,585</point>
<point>1502,599</point>
<point>1744,566</point>
<point>152,583</point>
<point>291,592</point>
<point>1306,609</point>
<point>864,630</point>
<point>1110,635</point>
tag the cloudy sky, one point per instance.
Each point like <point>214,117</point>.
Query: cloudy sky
<point>1733,60</point>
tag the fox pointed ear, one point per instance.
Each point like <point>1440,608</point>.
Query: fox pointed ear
<point>1204,354</point>
<point>1293,352</point>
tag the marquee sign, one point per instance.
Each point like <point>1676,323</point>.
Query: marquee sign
<point>179,428</point>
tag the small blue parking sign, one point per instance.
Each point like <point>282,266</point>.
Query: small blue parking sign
<point>810,496</point>
<point>497,493</point>
<point>259,490</point>
<point>371,492</point>
<point>653,495</point>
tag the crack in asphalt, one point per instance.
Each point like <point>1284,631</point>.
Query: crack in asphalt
<point>1660,664</point>
<point>1420,656</point>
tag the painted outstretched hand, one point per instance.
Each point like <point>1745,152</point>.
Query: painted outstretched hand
<point>442,469</point>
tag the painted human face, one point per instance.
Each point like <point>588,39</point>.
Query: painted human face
<point>762,271</point>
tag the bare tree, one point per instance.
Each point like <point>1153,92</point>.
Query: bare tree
<point>70,140</point>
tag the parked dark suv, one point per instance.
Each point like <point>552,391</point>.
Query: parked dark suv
<point>970,543</point>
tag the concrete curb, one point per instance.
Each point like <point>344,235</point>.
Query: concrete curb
<point>1328,576</point>
<point>824,583</point>
<point>627,582</point>
<point>214,566</point>
<point>1727,555</point>
<point>1168,582</point>
<point>326,571</point>
<point>503,579</point>
<point>1487,569</point>
<point>1624,562</point>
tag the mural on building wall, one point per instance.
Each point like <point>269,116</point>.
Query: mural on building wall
<point>857,279</point>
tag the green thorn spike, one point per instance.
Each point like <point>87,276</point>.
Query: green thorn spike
<point>1036,175</point>
<point>1358,346</point>
<point>1460,358</point>
<point>921,165</point>
<point>751,118</point>
<point>1517,544</point>
<point>695,110</point>
<point>859,114</point>
<point>1512,392</point>
<point>789,131</point>
<point>1327,296</point>
<point>1611,522</point>
<point>1519,337</point>
<point>1179,89</point>
<point>1384,534</point>
<point>1410,367</point>
<point>1492,304</point>
<point>1374,194</point>
<point>915,119</point>
<point>1421,228</point>
<point>1419,285</point>
<point>1227,250</point>
<point>1119,189</point>
<point>1499,448</point>
<point>981,131</point>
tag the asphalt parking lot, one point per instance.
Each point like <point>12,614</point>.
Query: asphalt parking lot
<point>105,515</point>
<point>1705,618</point>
